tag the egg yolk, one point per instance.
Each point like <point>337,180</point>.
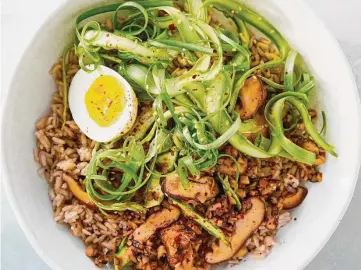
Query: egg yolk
<point>105,100</point>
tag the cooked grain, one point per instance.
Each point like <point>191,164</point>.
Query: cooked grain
<point>65,149</point>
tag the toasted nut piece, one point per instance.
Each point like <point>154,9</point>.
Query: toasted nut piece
<point>252,95</point>
<point>317,178</point>
<point>274,200</point>
<point>244,180</point>
<point>90,251</point>
<point>321,159</point>
<point>230,150</point>
<point>311,146</point>
<point>178,245</point>
<point>295,199</point>
<point>254,193</point>
<point>243,164</point>
<point>263,183</point>
<point>272,223</point>
<point>244,228</point>
<point>241,193</point>
<point>227,166</point>
<point>161,252</point>
<point>312,113</point>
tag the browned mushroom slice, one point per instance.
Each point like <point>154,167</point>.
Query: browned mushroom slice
<point>178,244</point>
<point>252,95</point>
<point>241,253</point>
<point>204,189</point>
<point>295,199</point>
<point>244,228</point>
<point>158,220</point>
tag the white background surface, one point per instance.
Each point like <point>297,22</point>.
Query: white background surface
<point>21,18</point>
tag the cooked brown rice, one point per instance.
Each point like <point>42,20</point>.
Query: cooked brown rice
<point>67,150</point>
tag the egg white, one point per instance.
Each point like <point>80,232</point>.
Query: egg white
<point>77,90</point>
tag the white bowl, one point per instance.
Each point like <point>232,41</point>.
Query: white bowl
<point>317,218</point>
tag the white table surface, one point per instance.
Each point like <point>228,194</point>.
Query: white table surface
<point>20,18</point>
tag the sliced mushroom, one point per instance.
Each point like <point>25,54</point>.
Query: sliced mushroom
<point>204,189</point>
<point>295,199</point>
<point>241,253</point>
<point>252,95</point>
<point>158,220</point>
<point>244,228</point>
<point>178,244</point>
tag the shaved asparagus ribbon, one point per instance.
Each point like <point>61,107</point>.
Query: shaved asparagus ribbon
<point>192,114</point>
<point>65,83</point>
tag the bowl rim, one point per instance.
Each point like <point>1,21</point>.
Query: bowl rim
<point>10,192</point>
<point>357,168</point>
<point>6,179</point>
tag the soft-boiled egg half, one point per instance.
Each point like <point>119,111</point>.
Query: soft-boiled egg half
<point>103,103</point>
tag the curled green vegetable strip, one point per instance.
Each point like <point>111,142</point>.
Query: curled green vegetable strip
<point>197,10</point>
<point>200,71</point>
<point>311,129</point>
<point>324,124</point>
<point>221,121</point>
<point>289,70</point>
<point>240,11</point>
<point>219,141</point>
<point>274,111</point>
<point>186,46</point>
<point>136,6</point>
<point>65,84</point>
<point>184,26</point>
<point>276,125</point>
<point>111,41</point>
<point>244,32</point>
<point>191,72</point>
<point>128,160</point>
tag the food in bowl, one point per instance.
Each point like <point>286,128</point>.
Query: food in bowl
<point>180,135</point>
